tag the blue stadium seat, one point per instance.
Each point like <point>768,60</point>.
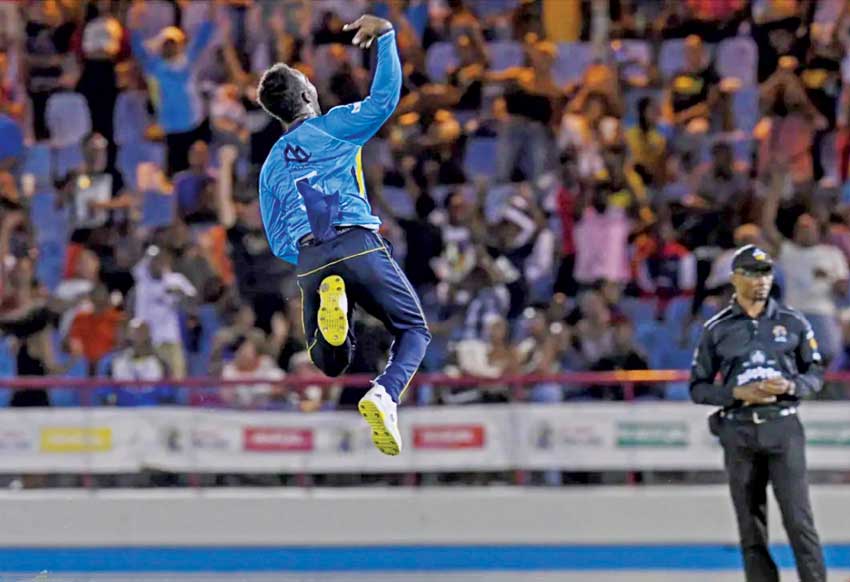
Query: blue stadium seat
<point>480,157</point>
<point>68,118</point>
<point>43,212</point>
<point>158,210</point>
<point>8,369</point>
<point>67,158</point>
<point>65,397</point>
<point>132,154</point>
<point>738,57</point>
<point>50,264</point>
<point>678,310</point>
<point>51,229</point>
<point>505,54</point>
<point>439,59</point>
<point>635,58</point>
<point>8,366</point>
<point>671,57</point>
<point>638,310</point>
<point>573,58</point>
<point>38,161</point>
<point>131,117</point>
<point>745,108</point>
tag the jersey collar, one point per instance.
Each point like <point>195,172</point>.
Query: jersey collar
<point>769,310</point>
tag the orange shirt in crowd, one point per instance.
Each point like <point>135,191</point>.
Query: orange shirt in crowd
<point>96,331</point>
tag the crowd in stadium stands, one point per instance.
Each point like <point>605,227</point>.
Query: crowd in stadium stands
<point>563,183</point>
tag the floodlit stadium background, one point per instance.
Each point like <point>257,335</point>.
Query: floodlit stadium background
<point>563,182</point>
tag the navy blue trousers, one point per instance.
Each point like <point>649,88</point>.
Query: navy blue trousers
<point>375,283</point>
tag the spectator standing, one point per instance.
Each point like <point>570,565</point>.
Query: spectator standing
<point>250,363</point>
<point>49,63</point>
<point>138,361</point>
<point>601,238</point>
<point>102,45</point>
<point>816,276</point>
<point>172,66</point>
<point>95,326</point>
<point>158,294</point>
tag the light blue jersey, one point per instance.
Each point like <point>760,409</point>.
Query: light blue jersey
<point>317,163</point>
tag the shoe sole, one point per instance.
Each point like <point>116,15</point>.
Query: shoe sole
<point>333,319</point>
<point>381,436</point>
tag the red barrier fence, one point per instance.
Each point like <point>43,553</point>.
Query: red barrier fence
<point>627,379</point>
<point>585,378</point>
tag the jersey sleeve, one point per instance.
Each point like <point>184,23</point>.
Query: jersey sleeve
<point>357,122</point>
<point>809,378</point>
<point>704,368</point>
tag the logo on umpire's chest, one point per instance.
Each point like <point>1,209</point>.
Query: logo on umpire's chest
<point>758,357</point>
<point>780,334</point>
<point>296,154</point>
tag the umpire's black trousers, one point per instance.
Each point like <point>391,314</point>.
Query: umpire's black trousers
<point>772,451</point>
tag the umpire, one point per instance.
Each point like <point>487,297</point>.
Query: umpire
<point>768,360</point>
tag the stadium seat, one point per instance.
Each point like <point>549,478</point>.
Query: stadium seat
<point>51,262</point>
<point>131,117</point>
<point>505,54</point>
<point>638,310</point>
<point>8,366</point>
<point>68,118</point>
<point>573,58</point>
<point>63,396</point>
<point>131,154</point>
<point>671,56</point>
<point>67,158</point>
<point>745,108</point>
<point>738,57</point>
<point>51,234</point>
<point>158,210</point>
<point>678,310</point>
<point>635,58</point>
<point>8,369</point>
<point>480,157</point>
<point>38,161</point>
<point>439,59</point>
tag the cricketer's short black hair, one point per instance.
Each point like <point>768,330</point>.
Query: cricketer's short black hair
<point>280,91</point>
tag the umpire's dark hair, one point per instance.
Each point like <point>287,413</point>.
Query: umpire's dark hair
<point>279,92</point>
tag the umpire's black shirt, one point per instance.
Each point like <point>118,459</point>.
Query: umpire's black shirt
<point>779,342</point>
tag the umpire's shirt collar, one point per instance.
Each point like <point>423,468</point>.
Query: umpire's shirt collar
<point>769,310</point>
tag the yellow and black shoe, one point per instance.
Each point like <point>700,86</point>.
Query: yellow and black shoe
<point>333,310</point>
<point>379,410</point>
